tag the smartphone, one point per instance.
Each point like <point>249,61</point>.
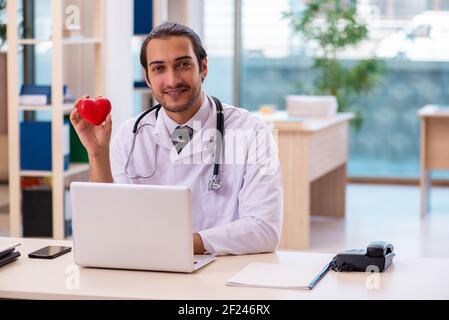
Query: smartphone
<point>49,252</point>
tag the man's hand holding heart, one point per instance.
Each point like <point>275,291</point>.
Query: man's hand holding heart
<point>93,124</point>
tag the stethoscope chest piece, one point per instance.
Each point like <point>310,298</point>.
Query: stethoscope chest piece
<point>215,183</point>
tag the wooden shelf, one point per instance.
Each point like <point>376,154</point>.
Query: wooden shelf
<point>68,41</point>
<point>57,42</point>
<point>74,168</point>
<point>67,108</point>
<point>65,41</point>
<point>33,41</point>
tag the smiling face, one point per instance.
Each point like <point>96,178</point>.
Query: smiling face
<point>174,73</point>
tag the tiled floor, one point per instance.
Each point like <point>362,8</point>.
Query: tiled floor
<point>388,213</point>
<point>374,212</point>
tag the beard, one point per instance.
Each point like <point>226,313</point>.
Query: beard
<point>176,107</point>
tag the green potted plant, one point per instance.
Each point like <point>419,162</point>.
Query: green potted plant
<point>333,25</point>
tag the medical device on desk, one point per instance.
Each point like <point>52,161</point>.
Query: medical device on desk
<point>377,257</point>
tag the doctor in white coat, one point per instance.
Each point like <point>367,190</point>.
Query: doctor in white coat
<point>176,145</point>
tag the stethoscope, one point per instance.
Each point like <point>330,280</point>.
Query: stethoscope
<point>215,181</point>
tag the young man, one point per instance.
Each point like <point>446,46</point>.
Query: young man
<point>176,146</point>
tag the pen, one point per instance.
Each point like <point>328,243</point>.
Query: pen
<point>322,273</point>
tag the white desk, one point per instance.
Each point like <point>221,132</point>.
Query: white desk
<point>417,278</point>
<point>313,153</point>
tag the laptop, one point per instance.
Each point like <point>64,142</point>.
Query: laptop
<point>128,226</point>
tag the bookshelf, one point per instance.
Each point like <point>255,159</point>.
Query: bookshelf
<point>66,108</point>
<point>64,41</point>
<point>57,109</point>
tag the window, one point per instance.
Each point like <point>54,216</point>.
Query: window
<point>219,44</point>
<point>409,36</point>
<point>266,46</point>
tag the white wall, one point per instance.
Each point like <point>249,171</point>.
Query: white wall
<point>195,11</point>
<point>160,11</point>
<point>187,12</point>
<point>118,63</point>
<point>118,67</point>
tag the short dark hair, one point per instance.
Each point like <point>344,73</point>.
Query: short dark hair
<point>172,29</point>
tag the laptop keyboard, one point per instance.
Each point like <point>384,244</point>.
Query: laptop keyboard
<point>197,258</point>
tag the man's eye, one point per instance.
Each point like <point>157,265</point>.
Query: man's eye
<point>184,65</point>
<point>158,69</point>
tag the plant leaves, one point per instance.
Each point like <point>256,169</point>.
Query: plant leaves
<point>335,26</point>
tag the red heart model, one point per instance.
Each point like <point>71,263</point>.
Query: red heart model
<point>94,111</point>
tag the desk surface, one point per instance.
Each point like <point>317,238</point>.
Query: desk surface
<point>407,278</point>
<point>434,111</point>
<point>281,121</point>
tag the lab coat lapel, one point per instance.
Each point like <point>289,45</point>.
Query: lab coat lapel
<point>202,141</point>
<point>163,138</point>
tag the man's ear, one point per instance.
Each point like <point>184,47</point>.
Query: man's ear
<point>204,69</point>
<point>147,80</point>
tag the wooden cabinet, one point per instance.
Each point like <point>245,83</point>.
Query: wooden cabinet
<point>434,147</point>
<point>313,154</point>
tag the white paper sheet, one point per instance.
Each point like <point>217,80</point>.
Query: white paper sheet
<point>272,275</point>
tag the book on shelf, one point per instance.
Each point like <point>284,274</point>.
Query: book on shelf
<point>33,100</point>
<point>36,145</point>
<point>40,95</point>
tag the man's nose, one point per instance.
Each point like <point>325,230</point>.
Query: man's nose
<point>172,78</point>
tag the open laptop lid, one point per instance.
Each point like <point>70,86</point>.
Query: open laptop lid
<point>130,226</point>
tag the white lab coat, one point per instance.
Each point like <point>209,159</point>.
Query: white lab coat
<point>245,216</point>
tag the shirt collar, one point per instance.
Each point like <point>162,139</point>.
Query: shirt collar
<point>196,122</point>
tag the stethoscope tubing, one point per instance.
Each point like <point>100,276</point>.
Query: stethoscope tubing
<point>215,180</point>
